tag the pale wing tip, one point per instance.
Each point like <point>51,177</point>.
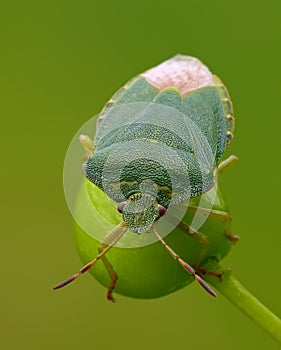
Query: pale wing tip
<point>185,73</point>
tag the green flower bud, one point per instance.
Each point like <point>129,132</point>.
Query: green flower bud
<point>149,271</point>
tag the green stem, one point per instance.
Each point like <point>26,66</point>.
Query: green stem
<point>245,301</point>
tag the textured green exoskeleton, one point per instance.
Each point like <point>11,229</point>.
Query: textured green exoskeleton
<point>159,143</point>
<point>208,109</point>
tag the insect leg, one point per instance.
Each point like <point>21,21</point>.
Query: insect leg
<point>87,143</point>
<point>226,164</point>
<point>201,238</point>
<point>217,215</point>
<point>184,264</point>
<point>214,214</point>
<point>233,238</point>
<point>112,274</point>
<point>111,239</point>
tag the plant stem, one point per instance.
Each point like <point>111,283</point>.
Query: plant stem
<point>245,301</point>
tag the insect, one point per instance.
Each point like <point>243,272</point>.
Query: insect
<point>159,142</point>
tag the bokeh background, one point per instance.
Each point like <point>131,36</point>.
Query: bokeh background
<point>60,62</point>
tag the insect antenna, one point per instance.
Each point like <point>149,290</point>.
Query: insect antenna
<point>184,264</point>
<point>110,240</point>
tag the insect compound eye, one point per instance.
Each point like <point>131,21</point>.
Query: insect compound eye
<point>162,210</point>
<point>121,206</point>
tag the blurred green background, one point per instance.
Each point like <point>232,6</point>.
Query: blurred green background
<point>60,62</point>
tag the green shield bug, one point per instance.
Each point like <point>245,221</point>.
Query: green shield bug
<point>158,145</point>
